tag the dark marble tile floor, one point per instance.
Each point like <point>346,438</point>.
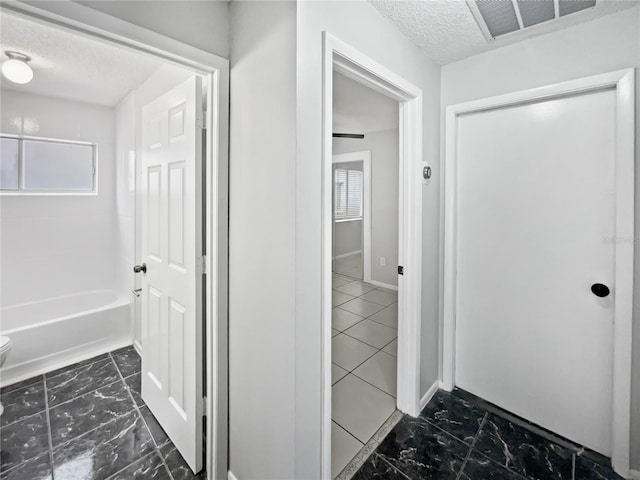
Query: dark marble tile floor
<point>86,422</point>
<point>461,437</point>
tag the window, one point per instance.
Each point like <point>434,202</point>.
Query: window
<point>39,165</point>
<point>348,194</point>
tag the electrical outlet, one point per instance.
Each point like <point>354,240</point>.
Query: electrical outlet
<point>383,261</point>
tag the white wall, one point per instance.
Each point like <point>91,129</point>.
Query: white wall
<point>347,237</point>
<point>56,245</point>
<point>603,45</point>
<point>262,360</point>
<point>204,25</point>
<point>125,189</point>
<point>384,146</point>
<point>360,25</point>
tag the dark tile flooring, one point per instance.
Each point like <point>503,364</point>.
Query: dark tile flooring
<point>460,437</point>
<point>85,422</point>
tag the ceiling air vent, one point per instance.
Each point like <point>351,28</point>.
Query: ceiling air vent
<point>499,17</point>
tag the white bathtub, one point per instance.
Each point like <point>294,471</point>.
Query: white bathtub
<point>55,332</point>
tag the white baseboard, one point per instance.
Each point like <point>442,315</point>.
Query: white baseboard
<point>388,286</point>
<point>231,476</point>
<point>138,347</point>
<point>635,474</point>
<point>348,254</point>
<point>429,395</point>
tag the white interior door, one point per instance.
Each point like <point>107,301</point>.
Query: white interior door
<point>536,212</point>
<point>171,199</point>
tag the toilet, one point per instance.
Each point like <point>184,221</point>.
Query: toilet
<point>5,347</point>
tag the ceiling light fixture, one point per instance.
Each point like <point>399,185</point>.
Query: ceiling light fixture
<point>16,68</point>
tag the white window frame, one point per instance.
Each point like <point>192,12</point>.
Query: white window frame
<point>22,191</point>
<point>346,217</point>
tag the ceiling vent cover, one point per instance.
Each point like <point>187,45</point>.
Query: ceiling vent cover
<point>499,17</point>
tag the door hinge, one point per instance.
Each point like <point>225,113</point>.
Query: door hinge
<point>203,120</point>
<point>400,270</point>
<point>201,265</point>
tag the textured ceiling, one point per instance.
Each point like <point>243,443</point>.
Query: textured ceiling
<point>358,109</point>
<point>446,31</point>
<point>71,66</point>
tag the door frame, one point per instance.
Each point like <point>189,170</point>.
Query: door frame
<point>363,156</point>
<point>341,57</point>
<point>623,83</point>
<point>99,26</point>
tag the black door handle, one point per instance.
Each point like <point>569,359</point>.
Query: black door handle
<point>140,268</point>
<point>600,290</point>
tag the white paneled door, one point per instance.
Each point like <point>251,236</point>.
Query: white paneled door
<point>535,253</point>
<point>171,195</point>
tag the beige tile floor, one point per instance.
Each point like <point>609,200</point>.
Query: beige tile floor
<point>364,364</point>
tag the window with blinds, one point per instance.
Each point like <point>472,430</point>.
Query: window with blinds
<point>348,194</point>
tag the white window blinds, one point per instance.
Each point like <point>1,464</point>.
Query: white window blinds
<point>348,194</point>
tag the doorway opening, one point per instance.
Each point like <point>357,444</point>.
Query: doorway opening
<point>364,297</point>
<point>137,131</point>
<point>367,368</point>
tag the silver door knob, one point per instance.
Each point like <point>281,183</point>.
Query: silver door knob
<point>140,268</point>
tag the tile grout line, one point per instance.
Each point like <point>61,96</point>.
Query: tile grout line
<point>363,299</point>
<point>137,409</point>
<point>525,424</point>
<point>350,434</point>
<point>366,381</point>
<point>372,346</point>
<point>383,305</point>
<point>447,432</point>
<point>376,387</point>
<point>379,350</point>
<point>377,289</point>
<point>154,452</point>
<point>66,442</point>
<point>48,418</point>
<point>29,385</point>
<point>384,460</point>
<point>361,320</point>
<point>473,443</point>
<point>26,417</point>
<point>485,419</point>
<point>85,393</point>
<point>367,317</point>
<point>351,372</point>
<point>81,364</point>
<point>365,361</point>
<point>387,426</point>
<point>49,450</point>
<point>83,434</point>
<point>364,444</point>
